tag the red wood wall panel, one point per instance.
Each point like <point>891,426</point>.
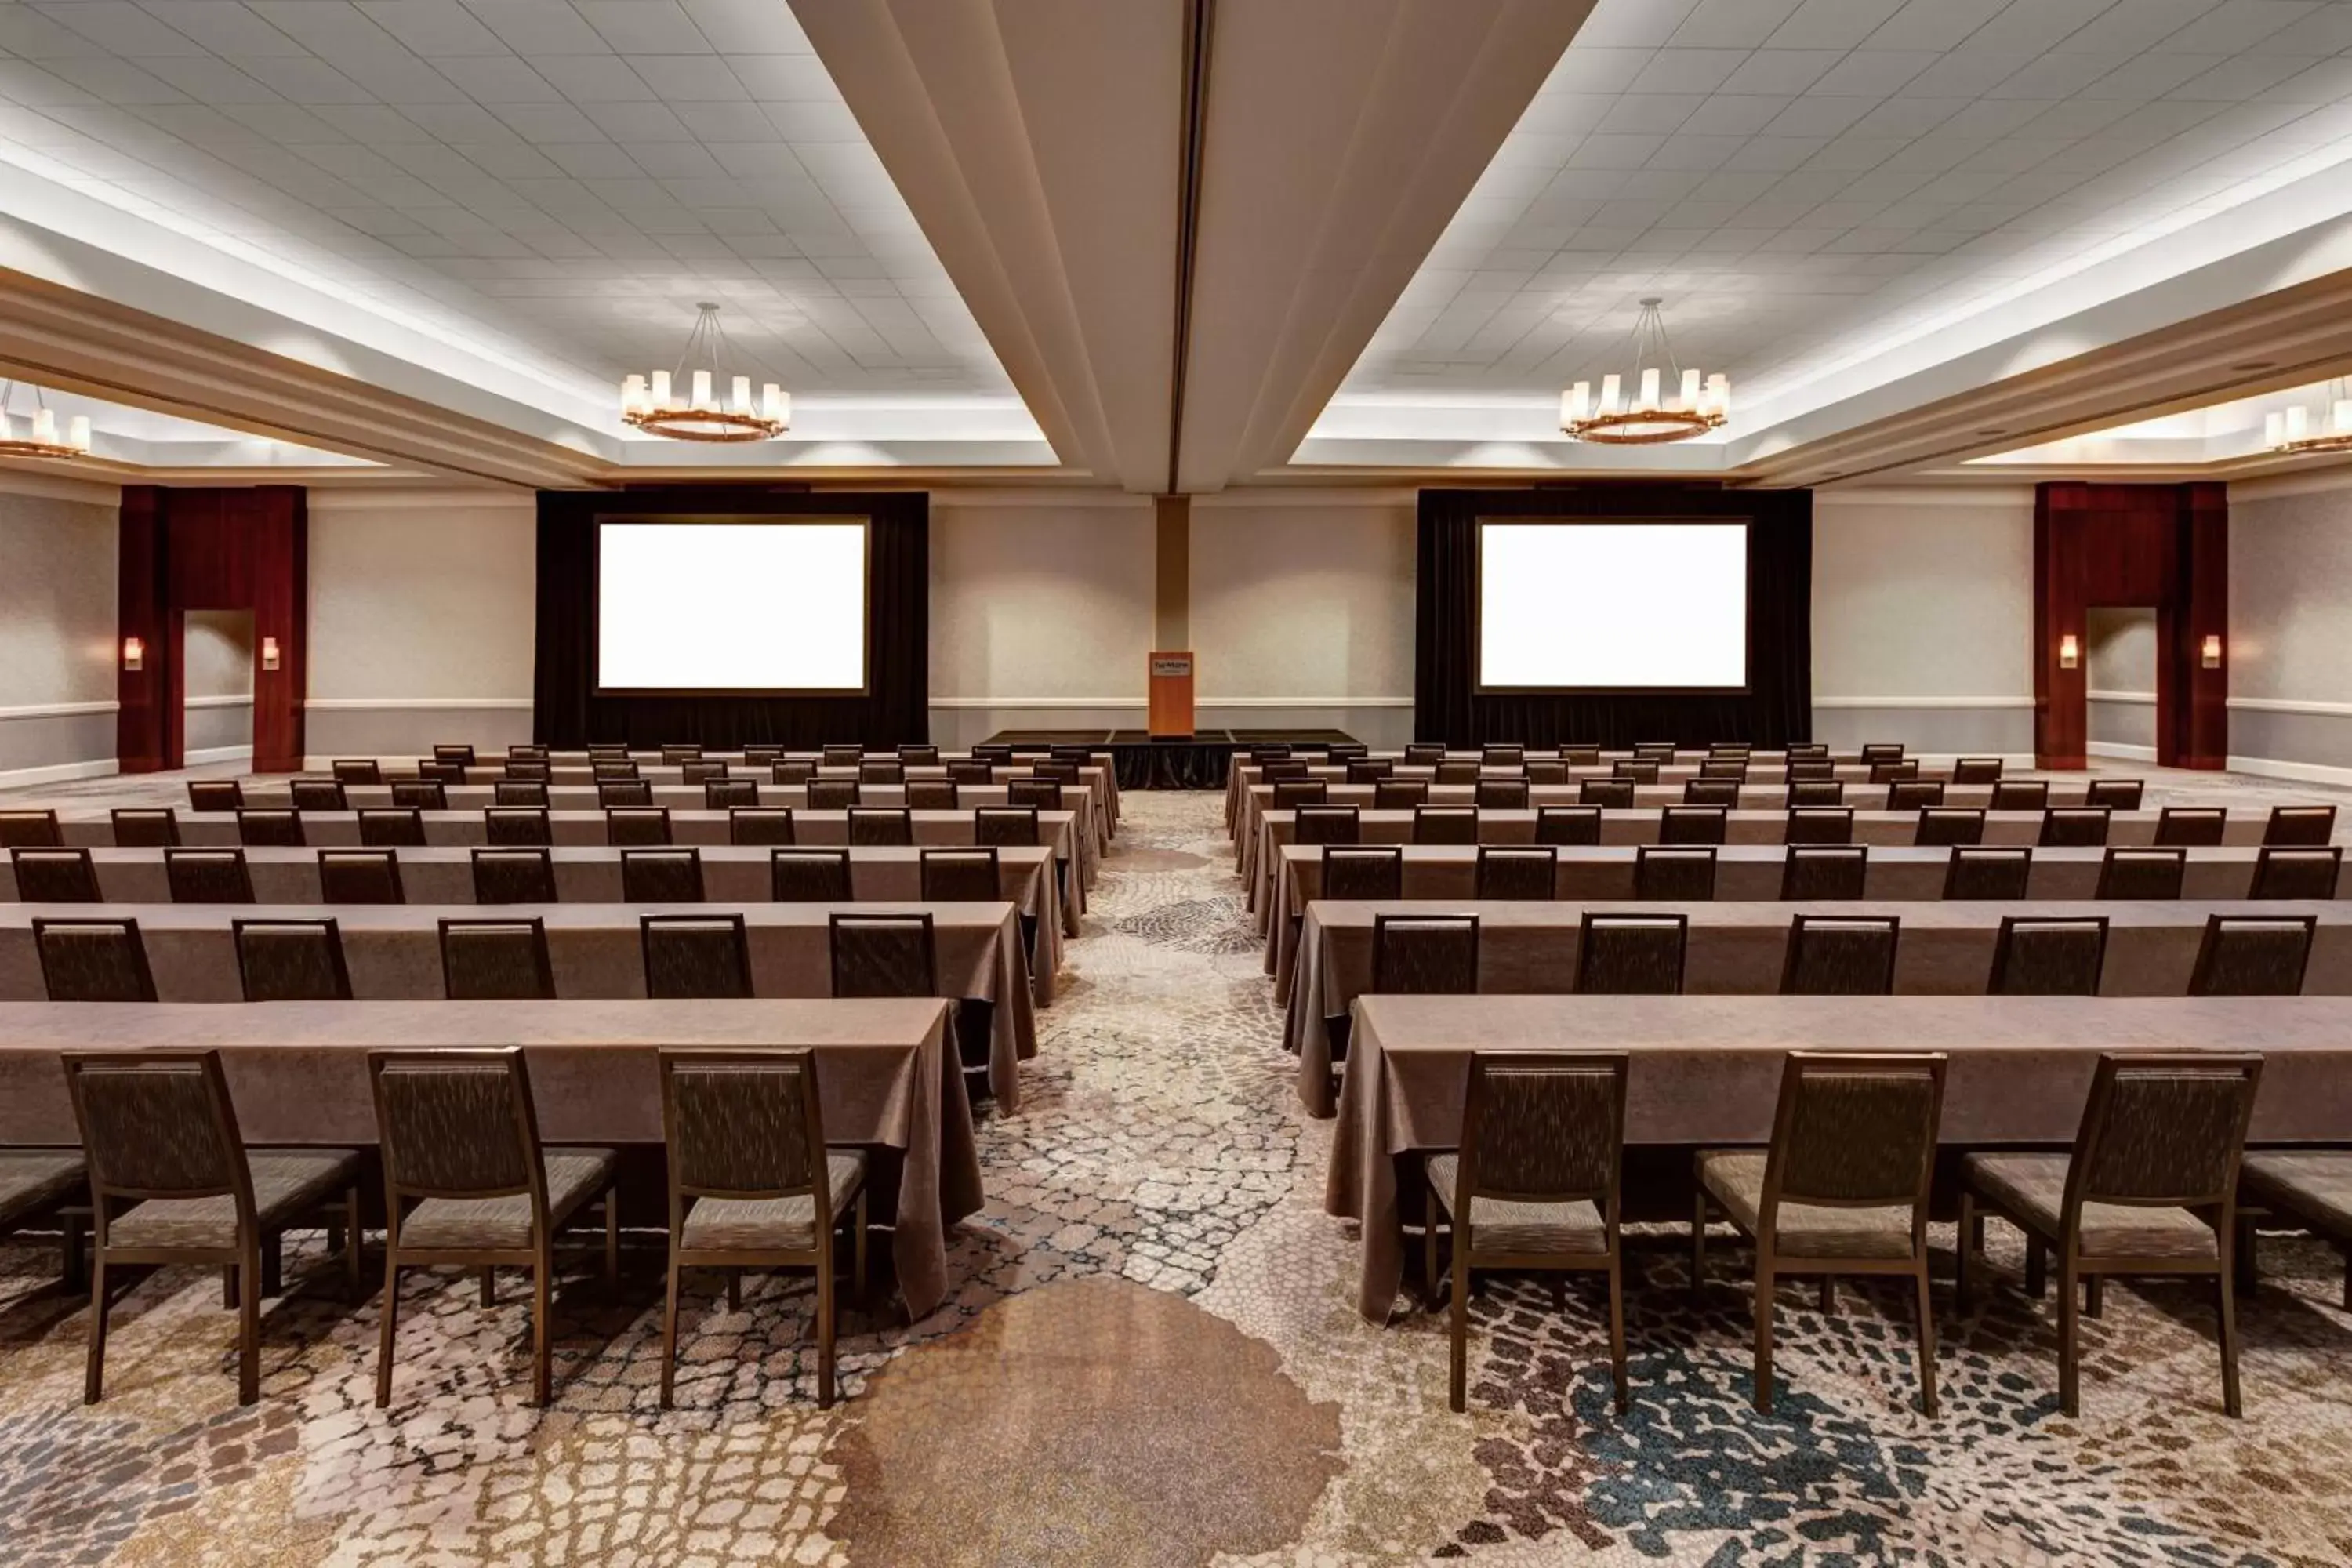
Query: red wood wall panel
<point>147,700</point>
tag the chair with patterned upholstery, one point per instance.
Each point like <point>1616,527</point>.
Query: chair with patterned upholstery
<point>1841,955</point>
<point>2036,955</point>
<point>514,874</point>
<point>1445,825</point>
<point>145,826</point>
<point>961,874</point>
<point>1674,873</point>
<point>527,752</point>
<point>1534,1185</point>
<point>677,754</point>
<point>1808,770</point>
<point>2253,955</point>
<point>1894,772</point>
<point>2150,1188</point>
<point>1424,955</point>
<point>1634,769</point>
<point>443,773</point>
<point>613,770</point>
<point>1423,754</point>
<point>2300,872</point>
<point>1812,873</point>
<point>291,961</point>
<point>792,770</point>
<point>832,795</point>
<point>2115,794</point>
<point>171,1182</point>
<point>420,795</point>
<point>2074,826</point>
<point>1875,752</point>
<point>1950,825</point>
<point>2143,872</point>
<point>760,825</point>
<point>1037,795</point>
<point>1842,1190</point>
<point>460,756</point>
<point>1630,954</point>
<point>269,826</point>
<point>1289,795</point>
<point>1458,771</point>
<point>669,874</point>
<point>41,1186</point>
<point>1977,770</point>
<point>495,961</point>
<point>934,795</point>
<point>701,771</point>
<point>1723,794</point>
<point>761,754</point>
<point>1061,772</point>
<point>1579,756</point>
<point>1370,770</point>
<point>1915,795</point>
<point>1653,751</point>
<point>468,1185</point>
<point>974,771</point>
<point>317,794</point>
<point>1816,795</point>
<point>1503,795</point>
<point>392,827</point>
<point>1006,827</point>
<point>1399,795</point>
<point>919,756</point>
<point>1327,824</point>
<point>1809,750</point>
<point>1979,872</point>
<point>644,827</point>
<point>1283,768</point>
<point>1725,770</point>
<point>728,795</point>
<point>216,795</point>
<point>612,794</point>
<point>205,875</point>
<point>55,877</point>
<point>2309,1188</point>
<point>885,956</point>
<point>1365,872</point>
<point>692,957</point>
<point>995,752</point>
<point>93,961</point>
<point>1498,755</point>
<point>749,1173</point>
<point>520,792</point>
<point>1610,795</point>
<point>1564,824</point>
<point>2021,795</point>
<point>881,771</point>
<point>1694,825</point>
<point>359,876</point>
<point>2300,825</point>
<point>890,826</point>
<point>1518,873</point>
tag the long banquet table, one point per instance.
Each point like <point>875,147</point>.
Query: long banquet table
<point>394,953</point>
<point>1100,782</point>
<point>886,1073</point>
<point>1736,948</point>
<point>1706,1070</point>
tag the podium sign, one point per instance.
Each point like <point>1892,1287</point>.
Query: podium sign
<point>1171,694</point>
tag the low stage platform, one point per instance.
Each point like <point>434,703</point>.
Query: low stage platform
<point>1188,762</point>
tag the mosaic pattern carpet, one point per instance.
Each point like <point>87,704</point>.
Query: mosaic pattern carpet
<point>1153,1359</point>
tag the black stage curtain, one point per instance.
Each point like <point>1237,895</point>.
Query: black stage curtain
<point>895,708</point>
<point>1778,705</point>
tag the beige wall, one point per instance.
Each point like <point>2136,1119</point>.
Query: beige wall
<point>2120,665</point>
<point>2291,625</point>
<point>217,681</point>
<point>58,586</point>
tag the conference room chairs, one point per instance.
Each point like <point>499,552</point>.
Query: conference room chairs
<point>1808,770</point>
<point>996,753</point>
<point>614,768</point>
<point>813,875</point>
<point>1533,1187</point>
<point>438,772</point>
<point>1819,824</point>
<point>1501,755</point>
<point>1739,749</point>
<point>495,961</point>
<point>960,874</point>
<point>749,1174</point>
<point>1977,770</point>
<point>1653,751</point>
<point>1445,825</point>
<point>2115,794</point>
<point>517,824</point>
<point>1423,955</point>
<point>2300,825</point>
<point>1567,825</point>
<point>55,877</point>
<point>1839,956</point>
<point>676,756</point>
<point>934,795</point>
<point>269,826</point>
<point>1674,873</point>
<point>1817,793</point>
<point>96,960</point>
<point>610,792</point>
<point>792,770</point>
<point>1340,752</point>
<point>408,795</point>
<point>1458,771</point>
<point>215,794</point>
<point>146,826</point>
<point>525,770</point>
<point>317,794</point>
<point>1893,773</point>
<point>1577,756</point>
<point>1423,754</point>
<point>726,795</point>
<point>1915,795</point>
<point>2021,795</point>
<point>1610,795</point>
<point>392,827</point>
<point>1986,872</point>
<point>1399,795</point>
<point>915,756</point>
<point>972,772</point>
<point>1631,956</point>
<point>291,961</point>
<point>1060,771</point>
<point>1875,751</point>
<point>2155,872</point>
<point>1693,825</point>
<point>701,771</point>
<point>359,876</point>
<point>881,825</point>
<point>2309,1189</point>
<point>636,825</point>
<point>759,824</point>
<point>760,755</point>
<point>1007,826</point>
<point>454,755</point>
<point>1518,871</point>
<point>1808,750</point>
<point>666,875</point>
<point>205,875</point>
<point>514,874</point>
<point>2048,956</point>
<point>1635,770</point>
<point>2253,955</point>
<point>1273,770</point>
<point>881,771</point>
<point>1718,770</point>
<point>2149,1188</point>
<point>466,1184</point>
<point>43,1185</point>
<point>1815,873</point>
<point>841,756</point>
<point>832,795</point>
<point>1842,1190</point>
<point>1039,795</point>
<point>527,752</point>
<point>1370,770</point>
<point>887,955</point>
<point>1950,825</point>
<point>1367,872</point>
<point>1327,824</point>
<point>1711,792</point>
<point>2074,826</point>
<point>520,791</point>
<point>1502,794</point>
<point>1289,794</point>
<point>690,957</point>
<point>2299,872</point>
<point>171,1182</point>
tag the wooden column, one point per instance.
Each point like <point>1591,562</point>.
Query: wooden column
<point>2062,711</point>
<point>2200,733</point>
<point>277,520</point>
<point>147,720</point>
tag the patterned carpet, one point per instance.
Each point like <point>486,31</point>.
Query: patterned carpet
<point>1153,1358</point>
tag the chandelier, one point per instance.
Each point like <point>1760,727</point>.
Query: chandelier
<point>1691,405</point>
<point>2297,430</point>
<point>652,404</point>
<point>36,436</point>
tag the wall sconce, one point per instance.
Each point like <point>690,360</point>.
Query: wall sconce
<point>134,654</point>
<point>2212,651</point>
<point>2070,652</point>
<point>269,653</point>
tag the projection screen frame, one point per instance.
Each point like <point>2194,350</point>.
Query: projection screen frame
<point>865,524</point>
<point>1747,526</point>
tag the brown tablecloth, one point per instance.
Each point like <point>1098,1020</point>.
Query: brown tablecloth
<point>1736,948</point>
<point>1743,873</point>
<point>1706,1070</point>
<point>297,1074</point>
<point>394,953</point>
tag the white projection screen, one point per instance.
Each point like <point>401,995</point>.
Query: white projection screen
<point>1613,606</point>
<point>721,605</point>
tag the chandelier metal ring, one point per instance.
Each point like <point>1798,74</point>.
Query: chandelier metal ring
<point>649,403</point>
<point>1690,405</point>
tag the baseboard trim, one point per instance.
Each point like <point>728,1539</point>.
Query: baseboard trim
<point>2301,772</point>
<point>1985,703</point>
<point>416,704</point>
<point>2119,749</point>
<point>211,755</point>
<point>59,773</point>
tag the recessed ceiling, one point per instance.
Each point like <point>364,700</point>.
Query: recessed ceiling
<point>2218,433</point>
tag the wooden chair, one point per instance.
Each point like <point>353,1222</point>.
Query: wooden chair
<point>1006,827</point>
<point>216,795</point>
<point>1678,873</point>
<point>1693,825</point>
<point>699,771</point>
<point>760,825</point>
<point>919,756</point>
<point>1458,771</point>
<point>1720,793</point>
<point>2074,826</point>
<point>961,874</point>
<point>398,827</point>
<point>1036,794</point>
<point>1634,770</point>
<point>790,771</point>
<point>695,956</point>
<point>269,826</point>
<point>2021,795</point>
<point>1915,795</point>
<point>643,825</point>
<point>2047,956</point>
<point>317,794</point>
<point>2253,955</point>
<point>2150,1188</point>
<point>2306,872</point>
<point>881,771</point>
<point>1445,825</point>
<point>1424,955</point>
<point>1399,795</point>
<point>2115,794</point>
<point>1423,754</point>
<point>1841,955</point>
<point>1327,824</point>
<point>495,961</point>
<point>2142,873</point>
<point>147,826</point>
<point>291,961</point>
<point>1365,872</point>
<point>934,795</point>
<point>517,824</point>
<point>1819,824</point>
<point>55,877</point>
<point>678,755</point>
<point>1983,872</point>
<point>203,875</point>
<point>93,961</point>
<point>1289,795</point>
<point>1525,872</point>
<point>1562,825</point>
<point>1503,795</point>
<point>1814,873</point>
<point>519,792</point>
<point>505,874</point>
<point>1631,956</point>
<point>1977,770</point>
<point>2191,826</point>
<point>886,826</point>
<point>2300,824</point>
<point>1955,825</point>
<point>1842,1190</point>
<point>669,874</point>
<point>831,794</point>
<point>615,794</point>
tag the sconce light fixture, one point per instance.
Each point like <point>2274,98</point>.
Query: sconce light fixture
<point>2212,651</point>
<point>134,654</point>
<point>269,653</point>
<point>2070,652</point>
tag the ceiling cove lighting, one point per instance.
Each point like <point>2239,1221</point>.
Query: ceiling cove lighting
<point>34,433</point>
<point>652,402</point>
<point>2298,428</point>
<point>1668,402</point>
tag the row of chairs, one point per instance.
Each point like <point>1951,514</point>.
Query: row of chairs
<point>2065,826</point>
<point>687,957</point>
<point>1726,773</point>
<point>2156,1183</point>
<point>1812,873</point>
<point>1042,786</point>
<point>665,873</point>
<point>1587,754</point>
<point>757,754</point>
<point>165,1177</point>
<point>1644,955</point>
<point>402,828</point>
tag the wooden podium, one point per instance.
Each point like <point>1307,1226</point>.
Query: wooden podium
<point>1171,694</point>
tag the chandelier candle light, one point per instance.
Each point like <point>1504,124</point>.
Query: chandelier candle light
<point>34,434</point>
<point>2327,429</point>
<point>651,403</point>
<point>1689,404</point>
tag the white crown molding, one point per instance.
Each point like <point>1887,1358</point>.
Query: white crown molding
<point>2302,772</point>
<point>365,497</point>
<point>2279,485</point>
<point>2292,705</point>
<point>1924,702</point>
<point>1927,493</point>
<point>52,486</point>
<point>416,704</point>
<point>962,498</point>
<point>57,709</point>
